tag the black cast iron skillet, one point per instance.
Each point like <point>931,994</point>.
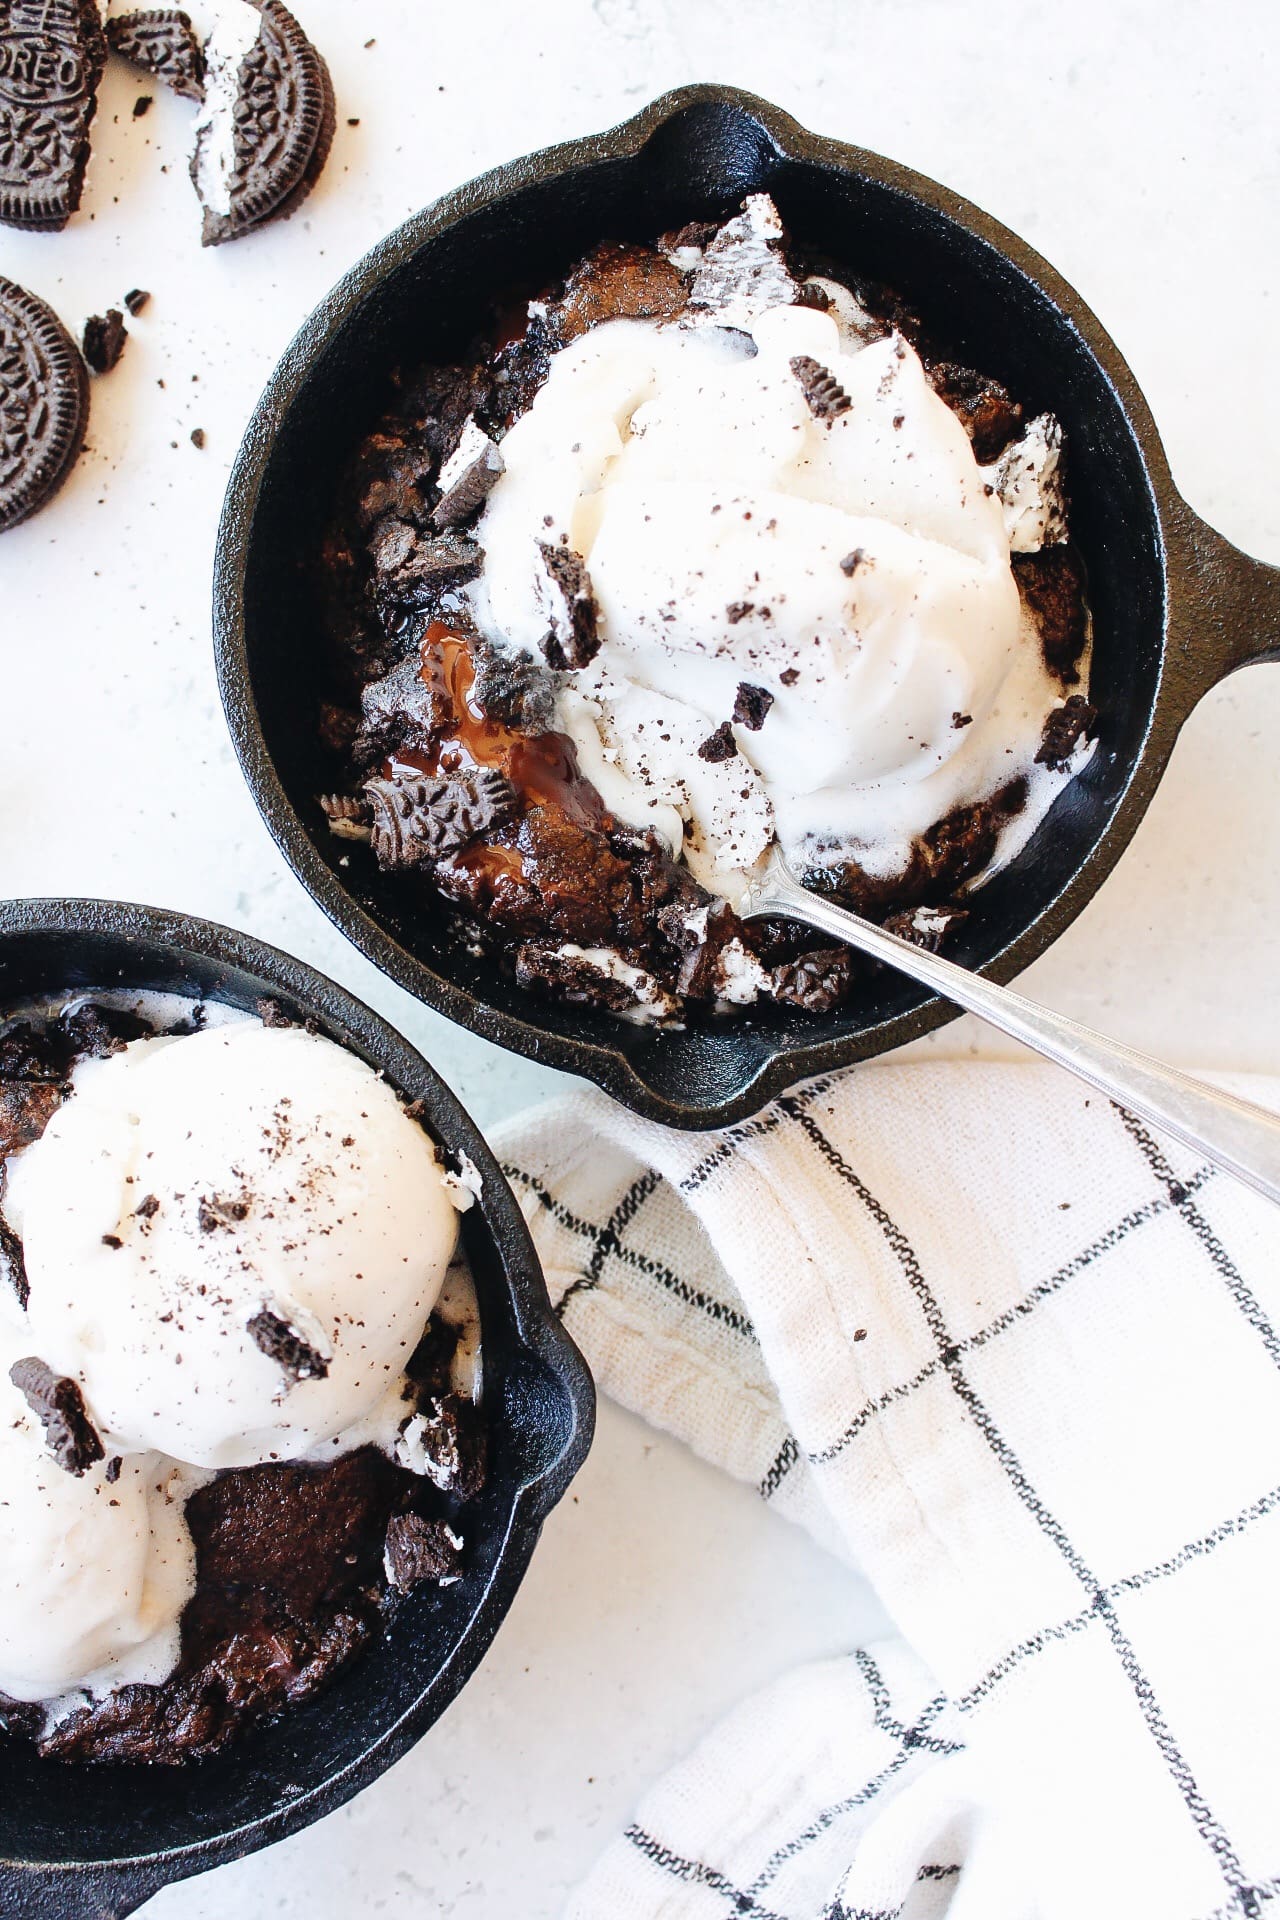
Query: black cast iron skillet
<point>92,1843</point>
<point>1176,607</point>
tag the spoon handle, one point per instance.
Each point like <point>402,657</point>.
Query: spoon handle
<point>1243,1138</point>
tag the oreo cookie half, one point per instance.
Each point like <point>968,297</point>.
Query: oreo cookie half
<point>44,403</point>
<point>52,53</point>
<point>267,123</point>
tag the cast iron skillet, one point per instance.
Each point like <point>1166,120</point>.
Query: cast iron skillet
<point>82,1842</point>
<point>1176,607</point>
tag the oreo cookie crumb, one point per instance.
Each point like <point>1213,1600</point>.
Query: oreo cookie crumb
<point>135,300</point>
<point>105,336</point>
<point>826,398</point>
<point>111,1472</point>
<point>13,1266</point>
<point>573,640</point>
<point>197,437</point>
<point>467,478</point>
<point>513,689</point>
<point>818,982</point>
<point>959,720</point>
<point>113,1241</point>
<point>751,706</point>
<point>926,927</point>
<point>216,1212</point>
<point>293,1354</point>
<point>142,105</point>
<point>738,610</point>
<point>419,1550</point>
<point>852,561</point>
<point>147,1208</point>
<point>272,1014</point>
<point>1064,728</point>
<point>719,745</point>
<point>789,676</point>
<point>59,1406</point>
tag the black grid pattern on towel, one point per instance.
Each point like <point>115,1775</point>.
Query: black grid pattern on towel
<point>1244,1897</point>
<point>910,1741</point>
<point>837,1910</point>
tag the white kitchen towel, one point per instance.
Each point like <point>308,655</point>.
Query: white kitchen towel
<point>1019,1359</point>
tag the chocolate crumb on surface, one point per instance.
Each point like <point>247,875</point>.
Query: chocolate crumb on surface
<point>135,300</point>
<point>105,336</point>
<point>59,1405</point>
<point>296,1358</point>
<point>197,437</point>
<point>852,561</point>
<point>719,745</point>
<point>142,105</point>
<point>1065,727</point>
<point>789,676</point>
<point>826,397</point>
<point>419,1550</point>
<point>751,706</point>
<point>111,1472</point>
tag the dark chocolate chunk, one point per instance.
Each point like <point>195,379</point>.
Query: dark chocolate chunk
<point>416,822</point>
<point>572,640</point>
<point>826,397</point>
<point>105,335</point>
<point>988,412</point>
<point>719,745</point>
<point>135,300</point>
<point>1064,728</point>
<point>59,1405</point>
<point>926,927</point>
<point>283,117</point>
<point>738,610</point>
<point>216,1211</point>
<point>751,706</point>
<point>161,41</point>
<point>52,53</point>
<point>296,1358</point>
<point>198,438</point>
<point>142,104</point>
<point>467,478</point>
<point>44,401</point>
<point>789,676</point>
<point>1051,583</point>
<point>13,1266</point>
<point>419,1549</point>
<point>818,982</point>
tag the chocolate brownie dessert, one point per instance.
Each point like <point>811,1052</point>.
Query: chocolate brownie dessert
<point>476,730</point>
<point>297,1563</point>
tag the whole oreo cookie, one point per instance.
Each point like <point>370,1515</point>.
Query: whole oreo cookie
<point>44,403</point>
<point>267,124</point>
<point>52,53</point>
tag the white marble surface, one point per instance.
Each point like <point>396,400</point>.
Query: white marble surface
<point>1137,145</point>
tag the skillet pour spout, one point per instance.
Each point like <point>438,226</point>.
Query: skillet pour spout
<point>1175,607</point>
<point>95,1842</point>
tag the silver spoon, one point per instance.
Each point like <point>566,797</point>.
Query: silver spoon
<point>1237,1135</point>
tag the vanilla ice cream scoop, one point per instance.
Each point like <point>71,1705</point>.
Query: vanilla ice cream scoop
<point>94,1570</point>
<point>781,503</point>
<point>233,1241</point>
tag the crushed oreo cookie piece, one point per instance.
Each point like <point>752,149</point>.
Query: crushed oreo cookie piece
<point>52,53</point>
<point>105,338</point>
<point>44,403</point>
<point>1064,728</point>
<point>743,270</point>
<point>814,296</point>
<point>272,1014</point>
<point>570,973</point>
<point>1051,583</point>
<point>161,41</point>
<point>59,1406</point>
<point>13,1266</point>
<point>926,927</point>
<point>789,676</point>
<point>572,639</point>
<point>987,411</point>
<point>217,1212</point>
<point>467,477</point>
<point>851,562</point>
<point>411,568</point>
<point>826,398</point>
<point>751,706</point>
<point>111,1472</point>
<point>819,981</point>
<point>419,1550</point>
<point>719,745</point>
<point>415,822</point>
<point>348,817</point>
<point>135,300</point>
<point>513,689</point>
<point>292,1352</point>
<point>143,105</point>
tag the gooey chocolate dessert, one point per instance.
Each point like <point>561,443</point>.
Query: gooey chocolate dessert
<point>239,1372</point>
<point>704,549</point>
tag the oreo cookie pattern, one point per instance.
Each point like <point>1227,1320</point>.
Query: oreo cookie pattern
<point>276,103</point>
<point>162,42</point>
<point>44,403</point>
<point>52,53</point>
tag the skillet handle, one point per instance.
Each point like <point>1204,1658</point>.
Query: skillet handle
<point>76,1893</point>
<point>1224,608</point>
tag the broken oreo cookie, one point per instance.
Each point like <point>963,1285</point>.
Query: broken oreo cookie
<point>105,335</point>
<point>52,53</point>
<point>419,1549</point>
<point>161,41</point>
<point>572,640</point>
<point>44,403</point>
<point>292,1352</point>
<point>59,1406</point>
<point>266,128</point>
<point>415,822</point>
